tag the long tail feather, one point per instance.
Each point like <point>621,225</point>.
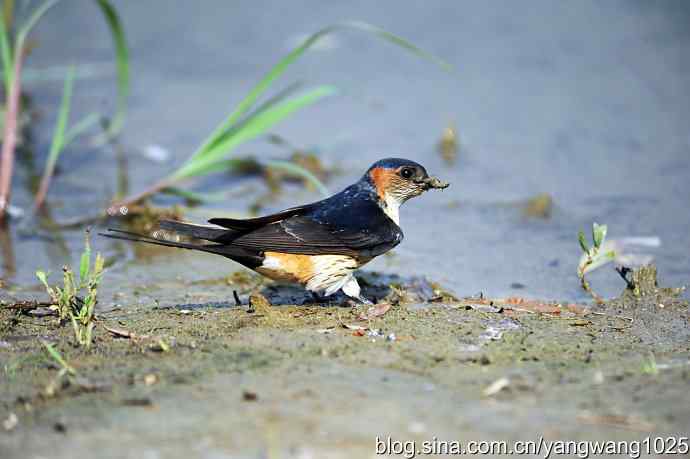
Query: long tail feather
<point>207,232</point>
<point>247,257</point>
<point>135,237</point>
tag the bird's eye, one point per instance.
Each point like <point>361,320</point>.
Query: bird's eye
<point>406,173</point>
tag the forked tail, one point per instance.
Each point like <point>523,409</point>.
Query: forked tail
<point>135,237</point>
<point>246,257</point>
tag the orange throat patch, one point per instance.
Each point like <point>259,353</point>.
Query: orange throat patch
<point>381,178</point>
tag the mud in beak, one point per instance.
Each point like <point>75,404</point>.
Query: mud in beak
<point>434,183</point>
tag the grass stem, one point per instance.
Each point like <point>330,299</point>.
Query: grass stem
<point>10,136</point>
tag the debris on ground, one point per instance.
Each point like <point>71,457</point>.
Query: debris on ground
<point>374,311</point>
<point>259,304</point>
<point>496,387</point>
<point>10,422</point>
<point>539,206</point>
<point>448,146</point>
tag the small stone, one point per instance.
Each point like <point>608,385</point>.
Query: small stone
<point>249,396</point>
<point>11,422</point>
<point>539,206</point>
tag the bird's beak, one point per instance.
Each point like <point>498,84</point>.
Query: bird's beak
<point>435,183</point>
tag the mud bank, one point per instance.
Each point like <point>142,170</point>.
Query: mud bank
<point>309,380</point>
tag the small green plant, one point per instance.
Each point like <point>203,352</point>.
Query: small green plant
<point>67,300</point>
<point>649,366</point>
<point>65,368</point>
<point>247,122</point>
<point>66,371</point>
<point>594,257</point>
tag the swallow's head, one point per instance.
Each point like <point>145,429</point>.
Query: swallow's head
<point>397,180</point>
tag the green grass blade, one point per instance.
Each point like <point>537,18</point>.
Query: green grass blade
<point>26,28</point>
<point>205,167</point>
<point>299,171</point>
<point>122,63</point>
<point>399,41</point>
<point>246,104</point>
<point>6,53</point>
<point>80,127</point>
<point>58,141</point>
<point>252,127</point>
<point>58,358</point>
<point>268,104</point>
<point>85,262</point>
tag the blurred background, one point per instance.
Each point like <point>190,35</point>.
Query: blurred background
<point>557,114</point>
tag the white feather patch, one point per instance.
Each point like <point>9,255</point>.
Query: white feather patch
<point>391,208</point>
<point>272,263</point>
<point>331,273</point>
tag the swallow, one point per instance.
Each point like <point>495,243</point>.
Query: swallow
<point>317,245</point>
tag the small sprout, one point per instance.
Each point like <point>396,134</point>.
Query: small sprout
<point>79,310</point>
<point>593,257</point>
<point>598,234</point>
<point>649,366</point>
<point>583,241</point>
<point>65,368</point>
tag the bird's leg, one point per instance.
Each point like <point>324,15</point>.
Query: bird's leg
<point>318,298</point>
<point>352,290</point>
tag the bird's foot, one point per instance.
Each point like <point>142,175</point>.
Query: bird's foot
<point>319,299</point>
<point>365,301</point>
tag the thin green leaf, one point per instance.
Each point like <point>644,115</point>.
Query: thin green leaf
<point>58,141</point>
<point>252,127</point>
<point>245,104</point>
<point>199,168</point>
<point>215,139</point>
<point>43,277</point>
<point>26,28</point>
<point>98,268</point>
<point>122,63</point>
<point>6,53</point>
<point>58,358</point>
<point>399,41</point>
<point>299,171</point>
<point>80,127</point>
<point>85,262</point>
<point>583,241</point>
<point>597,262</point>
<point>598,234</point>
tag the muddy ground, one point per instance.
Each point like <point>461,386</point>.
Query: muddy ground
<point>216,379</point>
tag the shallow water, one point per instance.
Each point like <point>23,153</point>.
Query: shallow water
<point>586,102</point>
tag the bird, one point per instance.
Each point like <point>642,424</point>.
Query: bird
<point>317,245</point>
